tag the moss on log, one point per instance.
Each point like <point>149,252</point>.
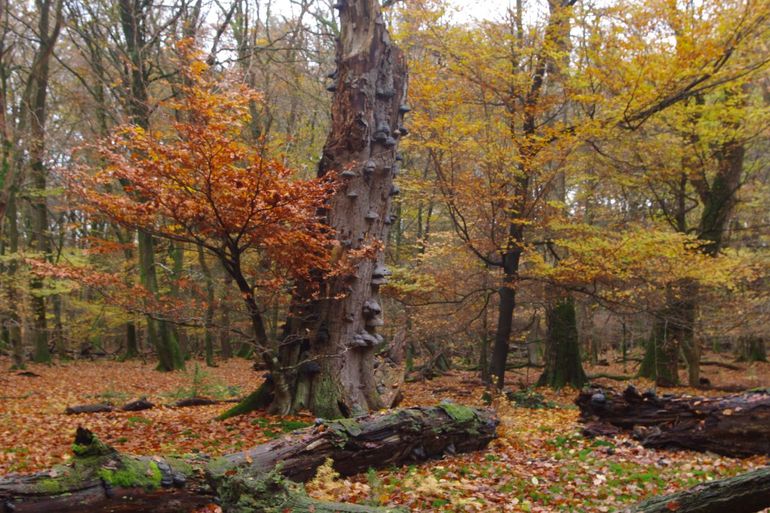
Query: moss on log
<point>99,479</point>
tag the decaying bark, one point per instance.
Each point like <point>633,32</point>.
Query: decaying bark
<point>99,479</point>
<point>745,493</point>
<point>733,425</point>
<point>338,334</point>
<point>143,404</point>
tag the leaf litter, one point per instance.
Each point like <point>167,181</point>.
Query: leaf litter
<point>539,463</point>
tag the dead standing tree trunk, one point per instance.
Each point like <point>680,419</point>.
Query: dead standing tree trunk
<point>336,336</point>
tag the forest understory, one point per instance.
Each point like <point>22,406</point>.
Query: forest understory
<point>539,463</point>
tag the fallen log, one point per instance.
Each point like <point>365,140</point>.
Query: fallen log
<point>745,493</point>
<point>724,365</point>
<point>734,425</point>
<point>89,408</point>
<point>144,404</point>
<point>99,479</point>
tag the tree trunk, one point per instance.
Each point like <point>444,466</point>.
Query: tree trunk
<point>563,365</point>
<point>14,319</point>
<point>504,324</point>
<point>733,425</point>
<point>752,349</point>
<point>158,331</point>
<point>744,493</point>
<point>673,331</point>
<point>133,22</point>
<point>337,334</point>
<point>39,241</point>
<point>132,343</point>
<point>208,320</point>
<point>102,480</point>
<point>225,346</point>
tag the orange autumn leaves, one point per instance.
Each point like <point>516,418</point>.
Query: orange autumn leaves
<point>196,181</point>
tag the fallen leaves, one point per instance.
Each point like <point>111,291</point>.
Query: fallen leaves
<point>540,462</point>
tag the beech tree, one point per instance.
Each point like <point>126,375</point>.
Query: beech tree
<point>198,184</point>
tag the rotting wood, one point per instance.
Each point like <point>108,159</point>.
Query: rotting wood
<point>744,493</point>
<point>99,479</point>
<point>144,404</point>
<point>733,425</point>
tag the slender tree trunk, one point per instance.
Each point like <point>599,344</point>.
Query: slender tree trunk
<point>752,349</point>
<point>673,332</point>
<point>208,320</point>
<point>14,320</point>
<point>224,331</point>
<point>504,321</point>
<point>40,242</point>
<point>158,332</point>
<point>177,336</point>
<point>132,342</point>
<point>133,21</point>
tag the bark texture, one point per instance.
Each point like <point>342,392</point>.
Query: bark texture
<point>733,425</point>
<point>563,365</point>
<point>745,493</point>
<point>101,480</point>
<point>337,335</point>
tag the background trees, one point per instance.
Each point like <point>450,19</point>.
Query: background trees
<point>571,184</point>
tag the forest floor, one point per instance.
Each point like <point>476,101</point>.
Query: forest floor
<point>539,463</point>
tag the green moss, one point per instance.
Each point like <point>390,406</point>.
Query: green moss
<point>69,477</point>
<point>459,412</point>
<point>50,487</point>
<point>180,465</point>
<point>349,426</point>
<point>326,393</point>
<point>218,466</point>
<point>79,450</point>
<point>257,400</point>
<point>291,425</point>
<point>133,474</point>
<point>94,449</point>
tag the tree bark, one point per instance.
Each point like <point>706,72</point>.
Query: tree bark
<point>133,22</point>
<point>563,365</point>
<point>734,425</point>
<point>752,349</point>
<point>48,32</point>
<point>209,317</point>
<point>745,493</point>
<point>337,333</point>
<point>673,330</point>
<point>102,480</point>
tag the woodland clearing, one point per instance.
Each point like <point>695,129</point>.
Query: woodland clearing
<point>539,463</point>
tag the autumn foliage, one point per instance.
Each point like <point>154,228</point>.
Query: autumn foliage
<point>196,181</point>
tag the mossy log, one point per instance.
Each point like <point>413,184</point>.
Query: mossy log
<point>745,493</point>
<point>733,425</point>
<point>99,479</point>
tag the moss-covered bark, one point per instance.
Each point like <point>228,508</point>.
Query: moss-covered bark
<point>99,479</point>
<point>260,399</point>
<point>563,364</point>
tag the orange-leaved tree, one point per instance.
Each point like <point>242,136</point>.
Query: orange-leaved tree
<point>196,182</point>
